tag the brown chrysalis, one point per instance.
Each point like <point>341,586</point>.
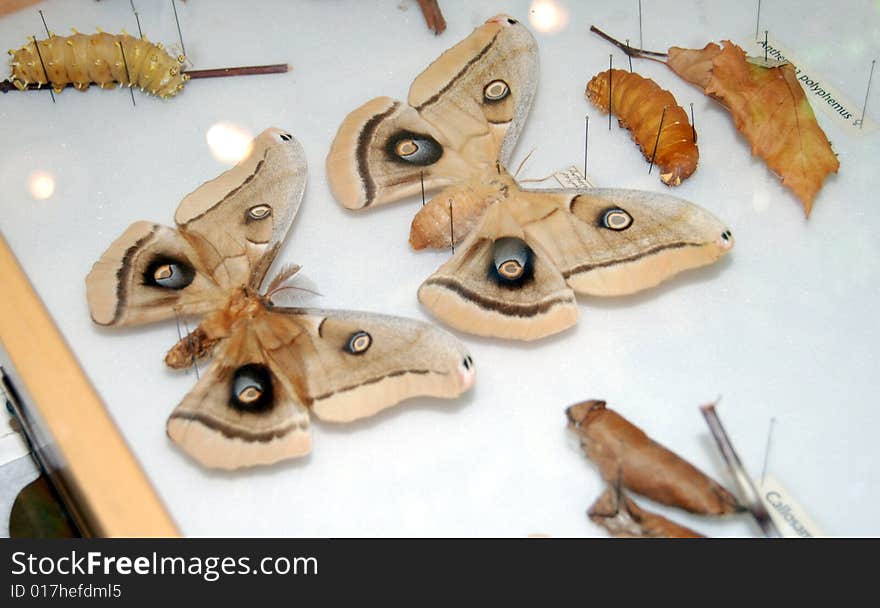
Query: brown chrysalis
<point>623,451</point>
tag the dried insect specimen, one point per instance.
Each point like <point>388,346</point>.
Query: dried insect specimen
<point>624,452</point>
<point>100,58</point>
<point>657,123</point>
<point>623,518</point>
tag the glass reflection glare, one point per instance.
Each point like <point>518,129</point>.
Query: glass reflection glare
<point>548,16</point>
<point>228,142</point>
<point>41,185</point>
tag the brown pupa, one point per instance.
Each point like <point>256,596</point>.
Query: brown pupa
<point>100,58</point>
<point>639,104</point>
<point>624,453</point>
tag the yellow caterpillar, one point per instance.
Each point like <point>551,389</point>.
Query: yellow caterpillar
<point>102,59</point>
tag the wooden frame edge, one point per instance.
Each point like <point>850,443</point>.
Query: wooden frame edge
<point>111,490</point>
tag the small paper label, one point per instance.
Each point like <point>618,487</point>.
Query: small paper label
<point>573,177</point>
<point>822,95</point>
<point>789,517</point>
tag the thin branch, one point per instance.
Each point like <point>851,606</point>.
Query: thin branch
<point>629,50</point>
<point>433,17</point>
<point>252,70</point>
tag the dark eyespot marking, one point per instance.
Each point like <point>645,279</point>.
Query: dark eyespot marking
<point>259,212</point>
<point>727,235</point>
<point>286,136</point>
<point>251,389</point>
<point>414,148</point>
<point>496,91</point>
<point>169,273</point>
<point>358,343</point>
<point>467,363</point>
<point>616,219</point>
<point>512,262</point>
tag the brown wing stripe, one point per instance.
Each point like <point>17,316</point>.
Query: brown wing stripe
<point>247,180</point>
<point>507,308</point>
<point>125,270</point>
<point>461,73</point>
<point>403,372</point>
<point>363,146</point>
<point>653,251</point>
<point>232,432</point>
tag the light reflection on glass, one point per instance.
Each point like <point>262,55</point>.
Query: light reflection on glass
<point>41,185</point>
<point>228,142</point>
<point>548,16</point>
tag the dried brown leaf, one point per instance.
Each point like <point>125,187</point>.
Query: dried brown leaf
<point>770,109</point>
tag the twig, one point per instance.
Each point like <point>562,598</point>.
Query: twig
<point>252,70</point>
<point>747,489</point>
<point>275,68</point>
<point>433,17</point>
<point>629,50</point>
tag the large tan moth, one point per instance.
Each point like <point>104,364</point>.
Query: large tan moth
<point>272,365</point>
<point>102,59</point>
<point>523,253</point>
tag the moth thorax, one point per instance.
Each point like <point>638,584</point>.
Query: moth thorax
<point>512,258</point>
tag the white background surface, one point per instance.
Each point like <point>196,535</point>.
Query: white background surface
<point>784,327</point>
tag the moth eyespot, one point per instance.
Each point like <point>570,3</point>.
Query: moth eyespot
<point>286,136</point>
<point>251,389</point>
<point>511,269</point>
<point>616,219</point>
<point>496,90</point>
<point>359,342</point>
<point>169,273</point>
<point>414,148</point>
<point>512,260</point>
<point>406,147</point>
<point>259,212</point>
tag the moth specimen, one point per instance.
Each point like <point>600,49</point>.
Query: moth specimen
<point>101,58</point>
<point>523,253</point>
<point>272,364</point>
<point>657,123</point>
